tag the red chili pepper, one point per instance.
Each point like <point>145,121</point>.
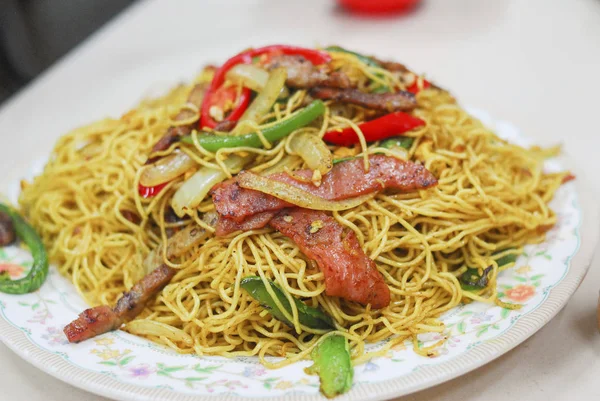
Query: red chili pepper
<point>392,124</point>
<point>314,56</point>
<point>149,192</point>
<point>414,88</point>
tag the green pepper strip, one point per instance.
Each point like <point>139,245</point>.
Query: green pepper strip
<point>398,142</point>
<point>39,271</point>
<point>365,60</point>
<point>308,316</point>
<point>470,280</point>
<point>212,143</point>
<point>333,365</point>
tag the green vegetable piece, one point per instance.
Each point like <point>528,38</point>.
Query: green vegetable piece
<point>212,143</point>
<point>333,365</point>
<point>39,270</point>
<point>398,142</point>
<point>506,259</point>
<point>470,280</point>
<point>365,60</point>
<point>344,159</point>
<point>308,316</point>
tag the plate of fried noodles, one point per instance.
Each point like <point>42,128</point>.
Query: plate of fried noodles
<point>294,223</point>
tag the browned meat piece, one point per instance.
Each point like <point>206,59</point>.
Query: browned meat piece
<point>7,231</point>
<point>390,102</point>
<point>348,271</point>
<point>391,65</point>
<point>195,97</point>
<point>227,226</point>
<point>225,126</point>
<point>102,319</point>
<point>345,180</point>
<point>303,74</point>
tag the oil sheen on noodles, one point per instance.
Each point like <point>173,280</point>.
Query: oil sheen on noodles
<point>491,196</point>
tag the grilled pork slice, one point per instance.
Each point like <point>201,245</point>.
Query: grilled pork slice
<point>349,272</point>
<point>345,180</point>
<point>388,102</point>
<point>102,319</point>
<point>302,74</point>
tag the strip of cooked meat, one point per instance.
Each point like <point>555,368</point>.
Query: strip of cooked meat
<point>102,319</point>
<point>172,135</point>
<point>302,74</point>
<point>391,65</point>
<point>345,180</point>
<point>390,102</point>
<point>226,226</point>
<point>349,272</point>
<point>7,231</point>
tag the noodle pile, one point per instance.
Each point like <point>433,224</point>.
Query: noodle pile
<point>492,196</point>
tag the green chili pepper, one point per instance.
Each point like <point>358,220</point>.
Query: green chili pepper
<point>212,143</point>
<point>39,271</point>
<point>333,365</point>
<point>365,60</point>
<point>308,316</point>
<point>398,142</point>
<point>470,280</point>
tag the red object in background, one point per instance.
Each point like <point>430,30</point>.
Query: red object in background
<point>149,192</point>
<point>378,6</point>
<point>414,88</point>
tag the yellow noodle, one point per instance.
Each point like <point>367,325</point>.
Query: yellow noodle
<point>492,196</point>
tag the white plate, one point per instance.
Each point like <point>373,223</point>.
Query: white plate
<point>125,367</point>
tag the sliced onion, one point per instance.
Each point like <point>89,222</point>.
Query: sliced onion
<point>297,196</point>
<point>248,75</point>
<point>263,103</point>
<point>195,189</point>
<point>313,151</point>
<point>147,327</point>
<point>166,169</point>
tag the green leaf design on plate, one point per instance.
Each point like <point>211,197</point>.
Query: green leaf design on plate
<point>520,279</point>
<point>482,330</point>
<point>462,327</point>
<point>125,361</point>
<point>108,363</point>
<point>505,312</point>
<point>207,369</point>
<point>537,277</point>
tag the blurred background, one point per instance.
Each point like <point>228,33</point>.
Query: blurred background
<point>35,33</point>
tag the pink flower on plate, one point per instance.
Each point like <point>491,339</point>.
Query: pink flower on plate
<point>141,371</point>
<point>521,293</point>
<point>13,270</point>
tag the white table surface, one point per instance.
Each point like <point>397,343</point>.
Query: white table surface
<point>535,63</point>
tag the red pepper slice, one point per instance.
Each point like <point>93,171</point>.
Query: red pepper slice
<point>149,192</point>
<point>314,56</point>
<point>414,88</point>
<point>392,124</point>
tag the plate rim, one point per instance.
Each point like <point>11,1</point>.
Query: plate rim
<point>424,377</point>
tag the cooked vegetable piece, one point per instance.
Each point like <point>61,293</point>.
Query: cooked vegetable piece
<point>39,270</point>
<point>280,130</point>
<point>308,316</point>
<point>332,363</point>
<point>194,189</point>
<point>392,124</point>
<point>166,169</point>
<point>399,142</point>
<point>248,75</point>
<point>313,151</point>
<point>293,195</point>
<point>266,97</point>
<point>470,280</point>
